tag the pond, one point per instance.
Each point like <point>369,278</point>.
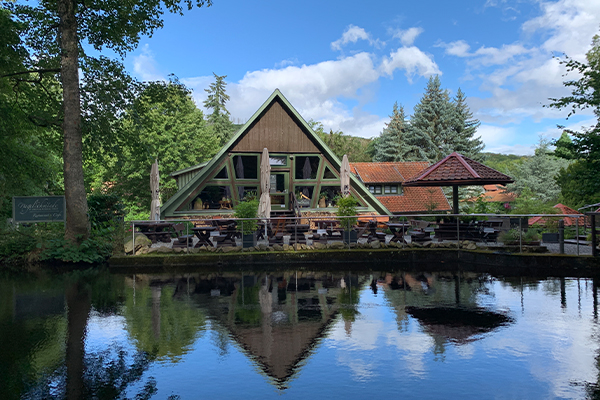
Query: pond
<point>298,334</point>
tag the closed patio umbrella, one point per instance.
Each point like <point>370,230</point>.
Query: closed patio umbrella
<point>345,176</point>
<point>264,205</point>
<point>155,191</point>
<point>306,170</point>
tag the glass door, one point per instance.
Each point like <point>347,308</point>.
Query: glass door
<point>279,191</point>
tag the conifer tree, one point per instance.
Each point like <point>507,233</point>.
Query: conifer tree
<point>431,127</point>
<point>216,100</point>
<point>465,128</point>
<point>390,144</point>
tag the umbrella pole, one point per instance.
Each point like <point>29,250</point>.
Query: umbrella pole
<point>455,199</point>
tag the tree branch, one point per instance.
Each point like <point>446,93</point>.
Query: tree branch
<point>35,71</point>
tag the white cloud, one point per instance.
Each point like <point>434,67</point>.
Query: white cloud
<point>411,59</point>
<point>522,78</point>
<point>407,37</point>
<point>353,34</point>
<point>145,66</point>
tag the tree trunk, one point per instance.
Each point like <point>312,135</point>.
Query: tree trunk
<point>77,224</point>
<point>79,304</point>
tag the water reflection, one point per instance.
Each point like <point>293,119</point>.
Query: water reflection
<point>99,335</point>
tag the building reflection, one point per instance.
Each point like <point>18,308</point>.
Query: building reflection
<point>277,319</point>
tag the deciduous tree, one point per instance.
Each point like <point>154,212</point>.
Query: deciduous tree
<point>57,33</point>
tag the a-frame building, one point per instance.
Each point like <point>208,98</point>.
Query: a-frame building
<point>301,164</point>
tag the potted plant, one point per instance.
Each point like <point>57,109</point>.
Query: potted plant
<point>322,199</point>
<point>347,208</point>
<point>248,208</point>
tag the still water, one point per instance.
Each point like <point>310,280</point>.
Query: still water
<point>298,334</point>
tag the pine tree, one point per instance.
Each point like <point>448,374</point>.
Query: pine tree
<point>465,127</point>
<point>390,145</point>
<point>219,119</point>
<point>431,128</point>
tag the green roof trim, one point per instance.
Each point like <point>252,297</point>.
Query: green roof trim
<point>168,209</point>
<point>189,169</point>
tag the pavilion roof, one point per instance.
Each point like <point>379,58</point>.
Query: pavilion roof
<point>456,169</point>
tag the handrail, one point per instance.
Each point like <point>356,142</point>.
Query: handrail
<point>295,206</point>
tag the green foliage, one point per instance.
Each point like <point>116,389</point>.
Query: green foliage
<point>95,249</point>
<point>247,209</point>
<point>391,145</point>
<point>219,119</point>
<point>580,183</point>
<point>162,122</point>
<point>538,175</point>
<point>529,202</point>
<point>514,235</point>
<point>104,209</point>
<point>440,126</point>
<point>505,163</point>
<point>346,207</point>
<point>357,149</point>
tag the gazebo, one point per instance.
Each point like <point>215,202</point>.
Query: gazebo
<point>457,170</point>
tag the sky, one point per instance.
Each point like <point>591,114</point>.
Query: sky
<point>345,63</point>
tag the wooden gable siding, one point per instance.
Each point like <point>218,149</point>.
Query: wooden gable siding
<point>278,131</point>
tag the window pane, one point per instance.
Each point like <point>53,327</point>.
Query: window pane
<point>304,195</point>
<point>222,174</point>
<point>278,161</point>
<point>377,189</point>
<point>386,189</point>
<point>372,189</point>
<point>212,197</point>
<point>394,189</point>
<point>328,174</point>
<point>246,167</point>
<point>307,167</point>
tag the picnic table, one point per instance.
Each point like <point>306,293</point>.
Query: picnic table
<point>203,234</point>
<point>397,229</point>
<point>156,231</point>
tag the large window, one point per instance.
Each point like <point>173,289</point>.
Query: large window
<point>245,167</point>
<point>213,197</point>
<point>307,167</point>
<point>328,174</point>
<point>304,195</point>
<point>222,174</point>
<point>329,193</point>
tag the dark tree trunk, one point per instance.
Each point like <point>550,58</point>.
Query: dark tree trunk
<point>77,224</point>
<point>78,305</point>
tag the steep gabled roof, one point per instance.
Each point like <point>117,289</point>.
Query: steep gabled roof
<point>174,202</point>
<point>457,169</point>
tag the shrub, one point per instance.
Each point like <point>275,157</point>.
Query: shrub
<point>247,209</point>
<point>347,208</point>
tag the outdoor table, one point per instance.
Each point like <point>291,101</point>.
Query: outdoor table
<point>297,231</point>
<point>397,229</point>
<point>156,231</point>
<point>326,223</point>
<point>203,235</point>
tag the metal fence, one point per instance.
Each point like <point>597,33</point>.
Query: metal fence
<point>415,228</point>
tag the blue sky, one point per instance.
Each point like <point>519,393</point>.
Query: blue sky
<point>345,63</point>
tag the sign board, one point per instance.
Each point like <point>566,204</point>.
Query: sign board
<point>39,209</point>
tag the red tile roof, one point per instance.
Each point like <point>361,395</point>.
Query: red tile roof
<point>416,200</point>
<point>496,193</point>
<point>569,221</point>
<point>412,200</point>
<point>387,172</point>
<point>457,169</point>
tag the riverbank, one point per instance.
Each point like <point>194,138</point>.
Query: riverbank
<point>495,262</point>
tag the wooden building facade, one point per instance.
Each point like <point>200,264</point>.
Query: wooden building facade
<point>303,169</point>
